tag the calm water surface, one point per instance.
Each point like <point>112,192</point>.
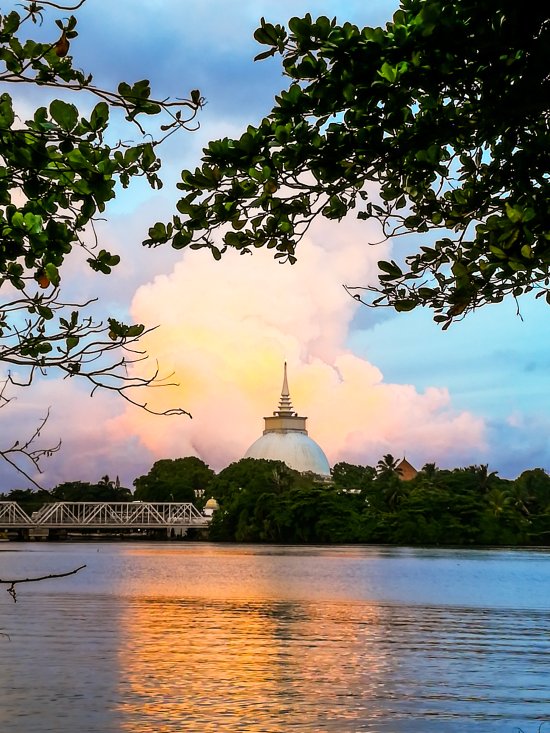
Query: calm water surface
<point>198,637</point>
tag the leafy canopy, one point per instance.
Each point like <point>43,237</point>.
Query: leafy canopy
<point>58,170</point>
<point>439,121</point>
<point>180,479</point>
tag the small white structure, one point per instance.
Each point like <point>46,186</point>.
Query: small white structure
<point>210,507</point>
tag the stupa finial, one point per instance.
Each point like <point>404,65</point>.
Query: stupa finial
<point>285,404</point>
<point>284,390</point>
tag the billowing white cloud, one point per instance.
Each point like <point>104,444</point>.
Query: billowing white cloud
<point>226,329</point>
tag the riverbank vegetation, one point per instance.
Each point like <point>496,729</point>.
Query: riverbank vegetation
<point>262,502</point>
<point>265,501</point>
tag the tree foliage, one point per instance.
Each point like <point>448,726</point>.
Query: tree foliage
<point>463,507</point>
<point>31,501</point>
<point>179,479</point>
<point>265,501</point>
<point>85,491</point>
<point>58,171</point>
<point>439,121</point>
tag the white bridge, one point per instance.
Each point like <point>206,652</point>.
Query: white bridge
<point>78,515</point>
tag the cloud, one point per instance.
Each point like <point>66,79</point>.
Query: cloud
<point>228,327</point>
<point>89,447</point>
<point>91,444</point>
<point>519,442</point>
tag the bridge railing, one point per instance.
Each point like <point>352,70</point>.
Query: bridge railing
<point>104,515</point>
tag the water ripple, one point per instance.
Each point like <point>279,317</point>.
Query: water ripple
<point>133,648</point>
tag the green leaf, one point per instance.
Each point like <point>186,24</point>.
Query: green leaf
<point>391,268</point>
<point>18,220</point>
<point>66,115</point>
<point>52,273</point>
<point>267,34</point>
<point>527,252</point>
<point>388,72</point>
<point>181,239</point>
<point>265,54</point>
<point>32,223</point>
<point>44,312</point>
<point>100,116</point>
<point>514,213</point>
<point>135,331</point>
<point>7,116</point>
<point>402,306</point>
<point>233,239</point>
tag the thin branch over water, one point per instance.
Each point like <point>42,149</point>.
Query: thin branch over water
<point>12,583</point>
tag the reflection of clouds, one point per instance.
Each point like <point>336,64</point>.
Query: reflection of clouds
<point>59,665</point>
<point>171,637</point>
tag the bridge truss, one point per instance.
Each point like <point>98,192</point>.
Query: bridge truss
<point>103,515</point>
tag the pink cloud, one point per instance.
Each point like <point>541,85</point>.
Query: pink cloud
<point>91,445</point>
<point>226,329</point>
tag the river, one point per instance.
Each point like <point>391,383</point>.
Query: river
<point>172,637</point>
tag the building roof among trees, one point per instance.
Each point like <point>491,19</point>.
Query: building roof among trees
<point>405,470</point>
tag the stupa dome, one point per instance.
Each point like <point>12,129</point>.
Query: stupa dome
<point>297,450</point>
<point>285,438</point>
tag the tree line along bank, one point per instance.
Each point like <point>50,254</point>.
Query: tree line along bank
<point>265,501</point>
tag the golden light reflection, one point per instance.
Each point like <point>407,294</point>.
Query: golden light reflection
<point>208,665</point>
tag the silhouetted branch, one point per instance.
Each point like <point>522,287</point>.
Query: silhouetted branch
<point>13,582</point>
<point>24,449</point>
<point>52,197</point>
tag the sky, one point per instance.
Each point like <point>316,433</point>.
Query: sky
<point>370,381</point>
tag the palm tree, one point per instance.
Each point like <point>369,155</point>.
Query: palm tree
<point>395,491</point>
<point>498,502</point>
<point>389,482</point>
<point>387,465</point>
<point>430,470</point>
<point>483,475</point>
<point>519,497</point>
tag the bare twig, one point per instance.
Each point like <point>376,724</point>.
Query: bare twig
<point>26,449</point>
<point>12,583</point>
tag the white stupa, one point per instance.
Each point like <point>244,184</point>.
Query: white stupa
<point>285,439</point>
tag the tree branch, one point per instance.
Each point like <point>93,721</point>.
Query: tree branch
<point>12,583</point>
<point>24,449</point>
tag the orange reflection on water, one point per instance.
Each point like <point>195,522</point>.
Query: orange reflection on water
<point>243,666</point>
